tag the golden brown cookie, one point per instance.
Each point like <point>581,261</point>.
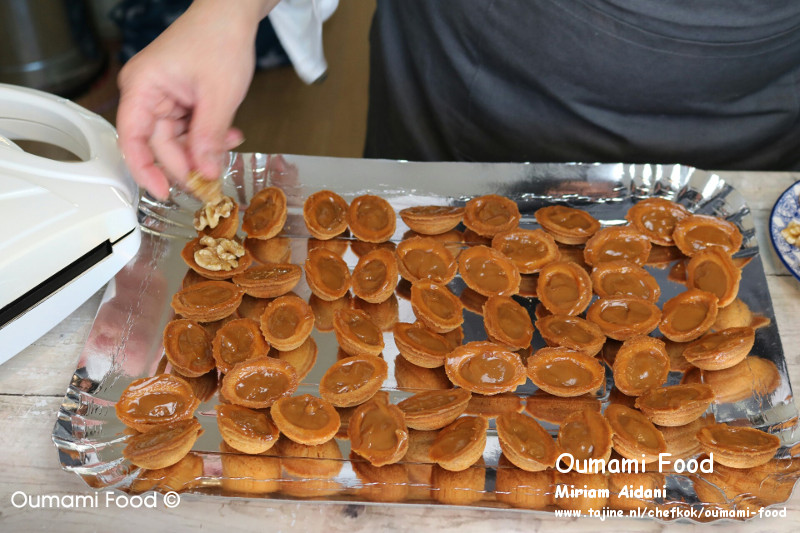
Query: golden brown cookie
<point>164,445</point>
<point>153,401</point>
<point>269,281</point>
<point>656,218</point>
<point>485,368</point>
<point>378,432</point>
<point>187,346</point>
<point>623,318</point>
<point>246,430</point>
<point>287,322</point>
<point>436,307</point>
<point>738,447</point>
<point>640,364</point>
<point>257,383</point>
<point>237,341</point>
<point>713,271</point>
<point>566,224</point>
<point>265,216</point>
<point>507,322</point>
<point>564,288</point>
<point>305,419</point>
<point>423,258</point>
<point>371,219</point>
<point>375,276</point>
<point>688,315</point>
<point>460,444</point>
<point>327,274</point>
<point>525,443</point>
<point>564,372</point>
<point>612,279</point>
<point>325,214</point>
<point>488,272</point>
<point>618,243</point>
<point>434,409</point>
<point>720,350</point>
<point>634,436</point>
<point>432,219</point>
<point>696,233</point>
<point>571,332</point>
<point>353,380</point>
<point>207,301</point>
<point>356,333</point>
<point>529,250</point>
<point>491,214</point>
<point>676,405</point>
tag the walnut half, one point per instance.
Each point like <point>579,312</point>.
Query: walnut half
<point>218,254</point>
<point>210,214</point>
<point>792,233</point>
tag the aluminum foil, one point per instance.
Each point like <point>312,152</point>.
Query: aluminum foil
<point>125,342</point>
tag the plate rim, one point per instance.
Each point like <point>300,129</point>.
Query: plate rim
<point>794,271</point>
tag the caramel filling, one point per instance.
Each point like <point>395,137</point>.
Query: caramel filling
<point>158,437</point>
<point>262,385</point>
<point>429,402</point>
<point>271,273</point>
<point>379,430</point>
<point>455,438</point>
<point>513,320</point>
<point>710,277</point>
<point>206,296</point>
<point>672,398</point>
<point>688,316</point>
<point>719,341</point>
<point>621,247</point>
<point>576,439</point>
<point>155,406</point>
<point>526,441</point>
<point>283,322</point>
<point>569,218</point>
<point>561,289</point>
<point>264,214</point>
<point>493,214</point>
<point>438,303</point>
<point>571,329</point>
<point>659,221</point>
<point>249,423</point>
<point>433,210</point>
<point>372,275</point>
<point>193,344</point>
<point>429,340</point>
<point>363,329</point>
<point>349,377</point>
<point>747,441</point>
<point>487,369</point>
<point>624,313</point>
<point>372,215</point>
<point>328,213</point>
<point>332,273</point>
<point>306,412</point>
<point>425,264</point>
<point>236,344</point>
<point>702,236</point>
<point>618,284</point>
<point>524,249</point>
<point>486,274</point>
<point>644,370</point>
<point>638,431</point>
<point>564,372</point>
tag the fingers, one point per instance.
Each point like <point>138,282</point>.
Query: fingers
<point>209,132</point>
<point>167,144</point>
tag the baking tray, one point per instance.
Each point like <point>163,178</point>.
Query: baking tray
<point>124,343</point>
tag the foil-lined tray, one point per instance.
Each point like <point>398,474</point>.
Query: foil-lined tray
<point>125,342</point>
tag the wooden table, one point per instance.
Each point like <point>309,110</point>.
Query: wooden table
<point>33,385</point>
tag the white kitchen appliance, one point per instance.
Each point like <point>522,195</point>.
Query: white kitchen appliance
<point>65,227</point>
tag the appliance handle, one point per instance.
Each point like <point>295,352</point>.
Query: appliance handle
<point>28,114</point>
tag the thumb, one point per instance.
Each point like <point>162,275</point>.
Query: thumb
<point>207,138</point>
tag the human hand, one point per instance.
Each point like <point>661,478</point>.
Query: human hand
<point>179,95</point>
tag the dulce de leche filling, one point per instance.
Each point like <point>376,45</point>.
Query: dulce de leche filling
<point>262,385</point>
<point>264,212</point>
<point>249,423</point>
<point>570,328</point>
<point>371,276</point>
<point>363,329</point>
<point>456,437</point>
<point>207,295</point>
<point>625,312</point>
<point>575,437</point>
<point>493,213</point>
<point>193,344</point>
<point>487,368</point>
<point>672,397</point>
<point>659,221</point>
<point>430,401</point>
<point>569,218</point>
<point>283,322</point>
<point>439,304</point>
<point>513,320</point>
<point>689,315</point>
<point>236,343</point>
<point>331,272</point>
<point>379,430</point>
<point>625,284</point>
<point>711,277</point>
<point>349,377</point>
<point>425,264</point>
<point>525,440</point>
<point>329,213</point>
<point>621,248</point>
<point>486,273</point>
<point>562,289</point>
<point>702,236</point>
<point>644,369</point>
<point>564,372</point>
<point>372,214</point>
<point>155,407</point>
<point>740,439</point>
<point>638,431</point>
<point>524,248</point>
<point>305,411</point>
<point>428,340</point>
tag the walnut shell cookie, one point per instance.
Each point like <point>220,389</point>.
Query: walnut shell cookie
<point>617,243</point>
<point>420,345</point>
<point>353,380</point>
<point>622,278</point>
<point>356,333</point>
<point>656,218</point>
<point>507,322</point>
<point>564,288</point>
<point>488,272</point>
<point>301,358</point>
<point>266,251</point>
<point>375,276</point>
<point>526,443</point>
<point>491,214</point>
<point>187,346</point>
<point>738,447</point>
<point>207,301</point>
<point>714,271</point>
<point>688,315</point>
<point>287,322</point>
<point>721,350</point>
<point>378,432</point>
<point>218,219</point>
<point>434,409</point>
<point>149,402</point>
<point>424,258</point>
<point>327,274</point>
<point>269,281</point>
<point>485,368</point>
<point>436,307</point>
<point>564,372</point>
<point>432,219</point>
<point>585,434</point>
<point>634,435</point>
<point>223,259</point>
<point>567,225</point>
<point>753,377</point>
<point>571,332</point>
<point>246,430</point>
<point>325,214</point>
<point>640,364</point>
<point>163,445</point>
<point>265,216</point>
<point>623,318</point>
<point>676,405</point>
<point>460,444</point>
<point>305,419</point>
<point>258,383</point>
<point>696,233</point>
<point>529,250</point>
<point>371,219</point>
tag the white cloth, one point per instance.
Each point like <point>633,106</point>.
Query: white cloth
<point>298,25</point>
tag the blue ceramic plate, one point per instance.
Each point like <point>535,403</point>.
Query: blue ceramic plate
<point>786,209</point>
